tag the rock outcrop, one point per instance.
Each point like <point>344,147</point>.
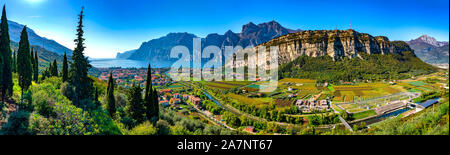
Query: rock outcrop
<point>334,43</point>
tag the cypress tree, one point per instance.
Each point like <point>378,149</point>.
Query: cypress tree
<point>79,69</point>
<point>23,61</point>
<point>135,108</point>
<point>50,69</point>
<point>155,105</point>
<point>5,50</point>
<point>55,68</point>
<point>148,99</point>
<point>36,67</point>
<point>32,58</point>
<point>32,62</point>
<point>65,68</point>
<point>110,100</point>
<point>14,64</point>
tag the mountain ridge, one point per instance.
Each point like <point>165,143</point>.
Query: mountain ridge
<point>250,35</point>
<point>15,30</point>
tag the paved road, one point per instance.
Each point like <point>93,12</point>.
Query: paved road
<point>345,123</point>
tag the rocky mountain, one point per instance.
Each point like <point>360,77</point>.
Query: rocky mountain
<point>430,50</point>
<point>126,54</point>
<point>158,50</point>
<point>334,43</point>
<point>429,40</point>
<point>15,29</point>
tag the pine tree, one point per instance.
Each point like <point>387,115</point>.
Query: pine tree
<point>36,67</point>
<point>54,68</point>
<point>79,69</point>
<point>5,50</point>
<point>65,75</point>
<point>110,100</point>
<point>135,108</point>
<point>23,61</point>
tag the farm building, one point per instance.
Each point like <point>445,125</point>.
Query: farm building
<point>426,104</point>
<point>310,105</point>
<point>194,100</point>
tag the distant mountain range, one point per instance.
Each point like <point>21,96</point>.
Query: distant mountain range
<point>430,50</point>
<point>50,45</point>
<point>157,51</point>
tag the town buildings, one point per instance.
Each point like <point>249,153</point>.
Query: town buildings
<point>313,105</point>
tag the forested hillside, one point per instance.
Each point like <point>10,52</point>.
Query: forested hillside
<point>373,67</point>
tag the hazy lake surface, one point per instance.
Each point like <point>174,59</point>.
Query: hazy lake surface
<point>112,62</point>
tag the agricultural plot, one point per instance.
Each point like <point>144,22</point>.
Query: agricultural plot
<point>283,103</point>
<point>226,85</point>
<point>419,86</point>
<point>176,86</point>
<point>293,80</point>
<point>363,91</point>
<point>247,100</point>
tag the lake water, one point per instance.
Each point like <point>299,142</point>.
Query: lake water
<point>124,63</point>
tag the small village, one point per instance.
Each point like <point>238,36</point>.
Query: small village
<point>125,77</point>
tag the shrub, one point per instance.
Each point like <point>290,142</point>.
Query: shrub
<point>17,124</point>
<point>145,128</point>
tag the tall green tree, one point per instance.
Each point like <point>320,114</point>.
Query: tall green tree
<point>50,69</point>
<point>32,62</point>
<point>79,79</point>
<point>14,64</point>
<point>148,98</point>
<point>135,109</point>
<point>156,105</point>
<point>110,100</point>
<point>65,66</point>
<point>5,50</point>
<point>36,67</point>
<point>54,68</point>
<point>23,61</point>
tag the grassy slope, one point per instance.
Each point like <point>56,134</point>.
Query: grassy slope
<point>431,121</point>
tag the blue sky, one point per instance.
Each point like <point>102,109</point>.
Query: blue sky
<point>121,25</point>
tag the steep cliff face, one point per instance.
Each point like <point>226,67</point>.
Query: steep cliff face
<point>334,43</point>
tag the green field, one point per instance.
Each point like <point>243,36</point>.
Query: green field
<point>364,114</point>
<point>225,85</point>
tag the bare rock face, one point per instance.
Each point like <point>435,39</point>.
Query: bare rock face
<point>334,43</point>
